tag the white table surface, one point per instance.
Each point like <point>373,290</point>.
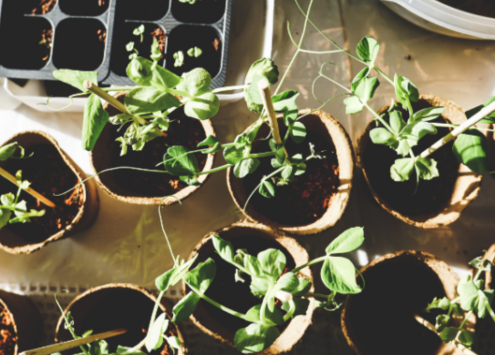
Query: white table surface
<point>126,243</point>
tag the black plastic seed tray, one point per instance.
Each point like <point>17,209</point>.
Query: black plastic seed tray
<point>39,36</point>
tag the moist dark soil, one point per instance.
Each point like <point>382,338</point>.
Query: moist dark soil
<point>79,49</point>
<point>48,175</point>
<point>306,199</point>
<point>148,10</point>
<point>382,316</point>
<point>46,41</point>
<point>478,7</point>
<point>8,337</point>
<point>84,8</point>
<point>202,11</point>
<point>43,7</point>
<point>120,308</point>
<point>225,290</point>
<point>120,59</point>
<point>433,195</point>
<point>184,37</point>
<point>183,131</point>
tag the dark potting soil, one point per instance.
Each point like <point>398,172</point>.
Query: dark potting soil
<point>8,337</point>
<point>183,131</point>
<point>382,316</point>
<point>306,199</point>
<point>184,37</point>
<point>121,308</point>
<point>84,8</point>
<point>237,295</point>
<point>432,195</point>
<point>43,7</point>
<point>48,175</point>
<point>202,11</point>
<point>478,7</point>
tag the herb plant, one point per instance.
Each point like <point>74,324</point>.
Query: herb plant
<point>473,298</point>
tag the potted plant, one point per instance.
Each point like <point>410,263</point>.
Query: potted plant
<point>399,286</point>
<point>21,325</point>
<point>46,217</point>
<point>121,306</point>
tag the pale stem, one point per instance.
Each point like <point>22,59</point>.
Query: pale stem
<point>431,327</point>
<point>485,111</point>
<point>29,190</point>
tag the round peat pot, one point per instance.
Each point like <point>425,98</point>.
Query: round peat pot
<point>50,171</point>
<point>115,306</point>
<point>315,200</point>
<point>437,202</point>
<point>21,325</point>
<point>237,295</point>
<point>380,320</point>
<point>148,188</point>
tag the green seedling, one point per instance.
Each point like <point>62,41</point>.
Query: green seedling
<point>139,31</point>
<point>179,59</point>
<point>194,52</point>
<point>191,2</point>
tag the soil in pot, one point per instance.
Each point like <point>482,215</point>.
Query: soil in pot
<point>25,42</point>
<point>120,57</point>
<point>84,8</point>
<point>202,11</point>
<point>478,7</point>
<point>382,316</point>
<point>225,290</point>
<point>183,130</point>
<point>49,175</point>
<point>8,336</point>
<point>148,10</point>
<point>432,195</point>
<point>40,7</point>
<point>184,37</point>
<point>79,44</point>
<point>305,200</point>
<point>115,308</point>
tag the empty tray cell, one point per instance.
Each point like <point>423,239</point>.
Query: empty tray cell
<point>79,44</point>
<point>124,35</point>
<point>25,43</point>
<point>199,11</point>
<point>187,39</point>
<point>144,10</point>
<point>84,7</point>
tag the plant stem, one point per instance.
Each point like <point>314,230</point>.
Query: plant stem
<point>485,111</point>
<point>29,190</point>
<point>262,180</point>
<point>316,295</point>
<point>465,320</point>
<point>312,262</point>
<point>262,155</point>
<point>220,168</point>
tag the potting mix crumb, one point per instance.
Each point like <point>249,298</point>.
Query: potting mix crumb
<point>8,337</point>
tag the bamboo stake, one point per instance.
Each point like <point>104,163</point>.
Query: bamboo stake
<point>266,97</point>
<point>431,327</point>
<point>29,190</point>
<point>55,348</point>
<point>485,111</point>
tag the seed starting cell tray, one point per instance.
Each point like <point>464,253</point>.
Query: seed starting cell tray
<point>39,36</point>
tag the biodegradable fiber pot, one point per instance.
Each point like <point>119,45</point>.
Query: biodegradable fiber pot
<point>27,325</point>
<point>114,306</point>
<point>236,295</point>
<point>332,140</point>
<point>137,187</point>
<point>433,209</point>
<point>380,320</point>
<point>10,240</point>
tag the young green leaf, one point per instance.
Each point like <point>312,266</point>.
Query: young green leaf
<point>466,338</point>
<point>428,114</point>
<point>202,107</point>
<point>490,119</point>
<point>286,103</point>
<point>339,275</point>
<point>179,59</point>
<point>95,119</point>
<point>402,169</point>
<point>143,100</point>
<point>367,49</point>
<point>448,334</point>
<point>213,142</point>
<point>154,339</point>
<point>174,342</point>
<point>178,161</point>
<point>224,248</point>
<point>471,148</point>
<point>245,167</point>
<point>174,275</point>
<point>201,277</point>
<point>253,315</point>
<point>272,262</point>
<point>267,189</point>
<point>365,90</point>
<point>265,67</point>
<point>8,150</point>
<point>194,52</point>
<point>427,168</point>
<point>255,338</point>
<point>361,75</point>
<point>156,53</point>
<point>396,121</point>
<point>298,132</point>
<point>253,91</point>
<point>76,78</point>
<point>442,321</point>
<point>196,82</point>
<point>468,292</point>
<point>144,72</point>
<point>347,241</point>
<point>380,135</point>
<point>301,304</point>
<point>185,307</point>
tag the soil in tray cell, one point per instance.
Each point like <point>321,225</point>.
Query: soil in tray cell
<point>183,131</point>
<point>79,44</point>
<point>8,337</point>
<point>237,295</point>
<point>201,11</point>
<point>120,54</point>
<point>207,39</point>
<point>432,195</point>
<point>382,315</point>
<point>84,7</point>
<point>478,7</point>
<point>38,7</point>
<point>25,43</point>
<point>48,175</point>
<point>145,10</point>
<point>306,199</point>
